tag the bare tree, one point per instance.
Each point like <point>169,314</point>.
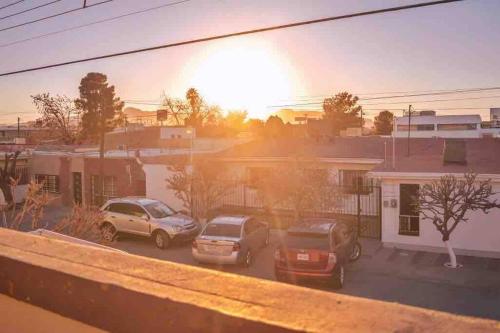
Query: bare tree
<point>301,185</point>
<point>34,205</point>
<point>200,186</point>
<point>7,175</point>
<point>176,109</point>
<point>447,200</point>
<point>83,222</point>
<point>58,114</point>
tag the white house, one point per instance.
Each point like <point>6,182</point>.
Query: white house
<point>426,124</point>
<point>403,228</point>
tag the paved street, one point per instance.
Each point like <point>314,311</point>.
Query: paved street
<point>407,277</point>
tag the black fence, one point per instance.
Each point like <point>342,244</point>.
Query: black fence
<point>361,205</point>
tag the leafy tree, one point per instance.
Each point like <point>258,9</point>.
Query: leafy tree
<point>198,112</point>
<point>274,127</point>
<point>342,111</point>
<point>301,185</point>
<point>255,126</point>
<point>234,121</point>
<point>446,202</point>
<point>99,106</point>
<point>200,186</point>
<point>384,123</point>
<point>58,115</point>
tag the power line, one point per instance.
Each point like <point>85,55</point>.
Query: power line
<point>93,23</point>
<point>398,96</point>
<point>435,100</point>
<point>29,9</point>
<point>55,15</point>
<point>234,34</point>
<point>12,4</point>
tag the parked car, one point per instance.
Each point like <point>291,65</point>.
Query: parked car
<point>55,235</point>
<point>149,218</point>
<point>315,249</point>
<point>230,240</point>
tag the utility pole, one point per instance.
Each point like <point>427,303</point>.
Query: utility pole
<point>18,127</point>
<point>409,128</point>
<point>361,124</point>
<point>84,3</point>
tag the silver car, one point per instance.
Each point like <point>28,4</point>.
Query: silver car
<point>230,240</point>
<point>147,217</point>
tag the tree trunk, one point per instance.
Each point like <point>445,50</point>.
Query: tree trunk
<point>453,257</point>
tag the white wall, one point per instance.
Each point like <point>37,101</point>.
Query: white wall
<point>156,185</point>
<point>480,233</point>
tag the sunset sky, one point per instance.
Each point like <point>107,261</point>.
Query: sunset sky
<point>442,47</point>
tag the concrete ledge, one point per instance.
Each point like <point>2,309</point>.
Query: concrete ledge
<point>126,293</point>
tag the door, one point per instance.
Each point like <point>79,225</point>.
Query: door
<point>77,188</point>
<point>136,220</point>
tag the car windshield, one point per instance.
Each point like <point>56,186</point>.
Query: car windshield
<point>225,230</point>
<point>159,210</point>
<point>307,240</point>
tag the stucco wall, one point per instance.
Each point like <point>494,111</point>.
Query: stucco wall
<point>156,185</point>
<point>480,233</point>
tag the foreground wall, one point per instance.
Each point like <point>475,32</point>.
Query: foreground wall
<point>126,293</point>
<point>479,236</point>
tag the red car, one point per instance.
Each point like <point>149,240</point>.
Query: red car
<point>317,249</point>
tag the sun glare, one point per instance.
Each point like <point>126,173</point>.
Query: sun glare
<point>243,74</point>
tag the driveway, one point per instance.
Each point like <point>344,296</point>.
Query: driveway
<point>409,277</point>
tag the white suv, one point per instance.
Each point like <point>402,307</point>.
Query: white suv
<point>146,217</point>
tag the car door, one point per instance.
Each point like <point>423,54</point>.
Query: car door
<point>137,219</point>
<point>251,234</point>
<point>116,214</point>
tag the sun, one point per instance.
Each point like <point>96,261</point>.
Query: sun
<point>243,74</point>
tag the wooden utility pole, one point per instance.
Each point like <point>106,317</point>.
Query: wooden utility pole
<point>409,127</point>
<point>84,3</point>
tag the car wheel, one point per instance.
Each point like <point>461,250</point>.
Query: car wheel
<point>108,232</point>
<point>248,259</point>
<point>161,239</point>
<point>356,252</point>
<point>338,278</point>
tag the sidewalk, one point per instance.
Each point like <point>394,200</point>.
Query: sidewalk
<point>476,272</point>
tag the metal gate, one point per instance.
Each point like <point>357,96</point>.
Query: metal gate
<point>360,206</point>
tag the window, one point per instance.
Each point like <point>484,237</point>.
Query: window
<point>354,180</point>
<point>457,127</point>
<point>22,175</point>
<point>224,230</point>
<point>50,182</point>
<point>425,127</point>
<point>108,189</point>
<point>159,210</point>
<point>251,226</point>
<point>409,221</point>
<point>420,127</point>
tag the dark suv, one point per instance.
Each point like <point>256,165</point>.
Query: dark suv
<point>315,249</point>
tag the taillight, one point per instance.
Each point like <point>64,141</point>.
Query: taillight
<point>332,258</point>
<point>277,255</point>
<point>236,246</point>
<point>194,245</point>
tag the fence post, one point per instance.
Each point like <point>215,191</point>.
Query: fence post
<point>358,197</point>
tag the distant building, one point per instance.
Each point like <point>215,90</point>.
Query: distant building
<point>295,117</point>
<point>426,124</point>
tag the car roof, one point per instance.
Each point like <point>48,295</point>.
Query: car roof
<point>230,219</point>
<point>135,200</point>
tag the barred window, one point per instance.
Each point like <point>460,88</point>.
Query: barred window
<point>23,175</point>
<point>50,182</point>
<point>108,189</point>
